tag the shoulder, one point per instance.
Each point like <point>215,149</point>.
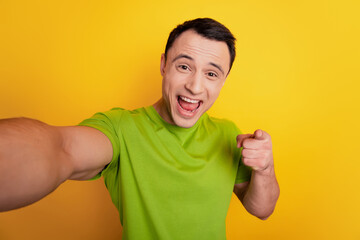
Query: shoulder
<point>115,116</point>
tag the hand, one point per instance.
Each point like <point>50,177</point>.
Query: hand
<point>257,150</point>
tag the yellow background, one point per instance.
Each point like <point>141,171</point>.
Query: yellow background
<point>296,76</point>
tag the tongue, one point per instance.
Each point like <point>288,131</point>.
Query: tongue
<point>188,106</point>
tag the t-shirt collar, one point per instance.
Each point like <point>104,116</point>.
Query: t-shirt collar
<point>155,116</point>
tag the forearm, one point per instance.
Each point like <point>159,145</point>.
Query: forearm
<point>31,162</point>
<point>262,193</point>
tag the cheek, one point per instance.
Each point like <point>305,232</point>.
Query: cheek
<point>168,87</point>
<point>165,89</point>
<point>173,82</point>
<point>214,90</point>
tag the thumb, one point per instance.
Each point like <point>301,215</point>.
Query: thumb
<point>241,137</point>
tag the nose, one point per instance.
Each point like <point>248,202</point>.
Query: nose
<point>195,84</point>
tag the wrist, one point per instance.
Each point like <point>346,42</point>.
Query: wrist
<point>268,171</point>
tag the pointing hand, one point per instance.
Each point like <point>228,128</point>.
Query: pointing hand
<point>257,150</point>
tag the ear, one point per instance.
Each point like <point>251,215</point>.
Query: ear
<point>162,64</point>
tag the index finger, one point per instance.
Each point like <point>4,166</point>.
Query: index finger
<point>241,137</point>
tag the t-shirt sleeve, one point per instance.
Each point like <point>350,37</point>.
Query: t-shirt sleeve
<point>243,172</point>
<point>107,123</point>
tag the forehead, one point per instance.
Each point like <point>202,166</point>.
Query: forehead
<point>200,48</point>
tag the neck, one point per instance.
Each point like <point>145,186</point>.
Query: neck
<point>162,110</point>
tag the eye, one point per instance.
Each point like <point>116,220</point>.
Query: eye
<point>183,67</point>
<point>212,74</point>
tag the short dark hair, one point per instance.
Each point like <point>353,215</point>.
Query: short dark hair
<point>208,28</point>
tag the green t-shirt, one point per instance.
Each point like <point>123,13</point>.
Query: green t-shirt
<point>170,182</point>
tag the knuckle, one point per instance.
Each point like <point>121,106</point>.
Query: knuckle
<point>268,136</point>
<point>267,145</point>
<point>262,165</point>
<point>245,161</point>
<point>245,152</point>
<point>245,143</point>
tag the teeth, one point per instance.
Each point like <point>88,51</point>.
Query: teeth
<point>189,100</point>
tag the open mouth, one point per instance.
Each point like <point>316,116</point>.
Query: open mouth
<point>188,104</point>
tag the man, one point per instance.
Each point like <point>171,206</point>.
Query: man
<point>170,168</point>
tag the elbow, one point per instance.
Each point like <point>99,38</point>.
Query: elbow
<point>262,214</point>
<point>265,213</point>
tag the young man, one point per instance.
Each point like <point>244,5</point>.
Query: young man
<point>170,168</point>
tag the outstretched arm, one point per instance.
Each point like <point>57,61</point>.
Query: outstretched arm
<point>35,158</point>
<point>259,196</point>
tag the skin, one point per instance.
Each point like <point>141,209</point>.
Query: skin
<point>196,67</point>
<point>49,156</point>
<point>259,197</point>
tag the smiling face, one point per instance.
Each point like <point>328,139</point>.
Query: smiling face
<point>193,73</point>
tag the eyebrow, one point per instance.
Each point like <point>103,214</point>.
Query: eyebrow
<point>190,58</point>
<point>182,56</point>
<point>218,67</point>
